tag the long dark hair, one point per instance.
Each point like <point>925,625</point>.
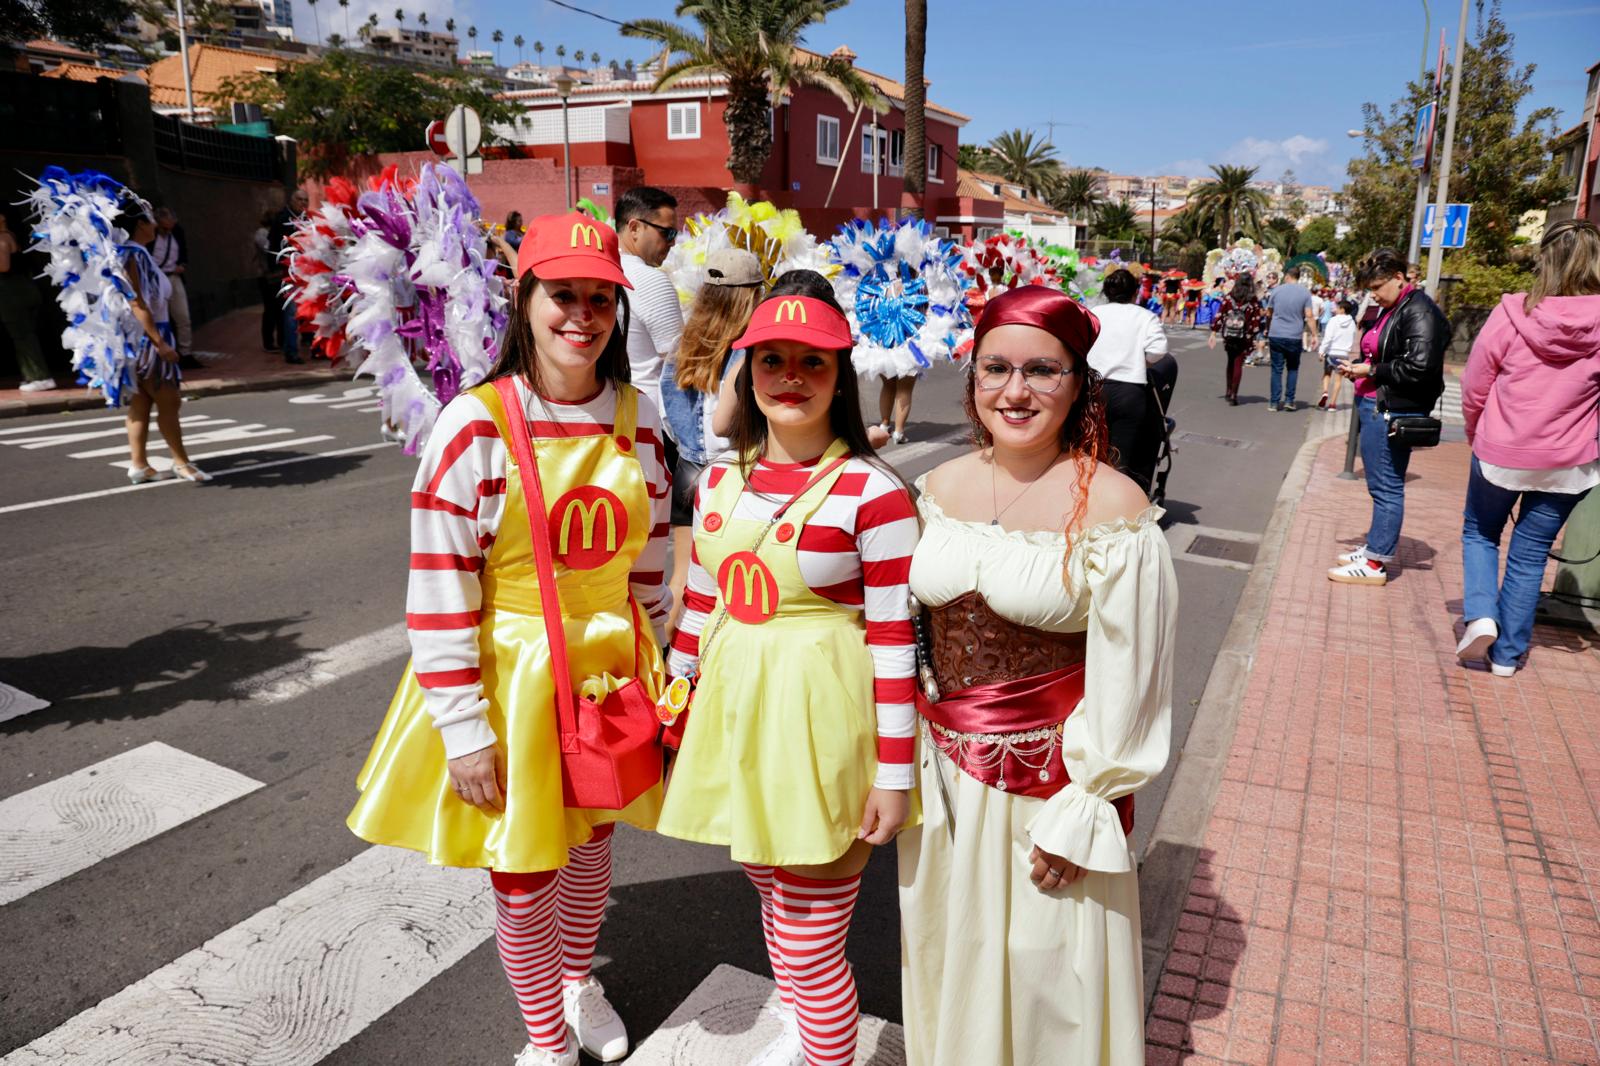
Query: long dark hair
<point>517,355</point>
<point>749,435</point>
<point>1084,436</point>
<point>1244,290</point>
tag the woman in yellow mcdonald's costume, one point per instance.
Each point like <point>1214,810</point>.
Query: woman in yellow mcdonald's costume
<point>797,750</point>
<point>466,767</point>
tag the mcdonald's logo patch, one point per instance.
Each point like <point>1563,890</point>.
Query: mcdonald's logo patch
<point>590,526</point>
<point>589,235</point>
<point>749,591</point>
<point>788,311</point>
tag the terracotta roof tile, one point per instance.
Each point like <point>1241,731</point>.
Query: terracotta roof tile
<point>886,85</point>
<point>209,66</point>
<point>85,72</point>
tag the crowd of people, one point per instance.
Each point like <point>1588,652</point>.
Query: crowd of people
<point>982,676</point>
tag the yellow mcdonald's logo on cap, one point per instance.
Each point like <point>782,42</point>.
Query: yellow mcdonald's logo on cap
<point>788,310</point>
<point>589,234</point>
<point>586,513</point>
<point>753,579</point>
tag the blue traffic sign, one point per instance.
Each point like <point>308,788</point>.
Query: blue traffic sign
<point>1422,137</point>
<point>1456,218</point>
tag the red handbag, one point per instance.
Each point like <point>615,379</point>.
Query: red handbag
<point>610,752</point>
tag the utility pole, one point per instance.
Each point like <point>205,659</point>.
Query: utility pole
<point>1435,252</point>
<point>1152,225</point>
<point>183,57</point>
<point>1425,175</point>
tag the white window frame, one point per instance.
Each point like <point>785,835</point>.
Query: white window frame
<point>686,114</point>
<point>870,157</point>
<point>897,153</point>
<point>828,122</point>
<point>935,160</point>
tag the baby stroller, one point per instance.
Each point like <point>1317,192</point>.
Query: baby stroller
<point>1162,378</point>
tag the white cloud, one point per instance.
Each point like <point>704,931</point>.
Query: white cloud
<point>1308,157</point>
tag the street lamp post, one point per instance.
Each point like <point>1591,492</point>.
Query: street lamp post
<point>183,53</point>
<point>1152,225</point>
<point>1435,249</point>
<point>564,84</point>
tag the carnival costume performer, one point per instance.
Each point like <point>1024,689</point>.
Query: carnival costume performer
<point>1049,604</point>
<point>797,750</point>
<point>467,767</point>
<point>115,300</point>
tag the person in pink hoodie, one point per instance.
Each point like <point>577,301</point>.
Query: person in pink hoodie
<point>1529,395</point>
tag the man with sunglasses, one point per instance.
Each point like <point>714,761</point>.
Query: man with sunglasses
<point>647,225</point>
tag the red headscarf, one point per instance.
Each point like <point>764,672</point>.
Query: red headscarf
<point>1048,309</point>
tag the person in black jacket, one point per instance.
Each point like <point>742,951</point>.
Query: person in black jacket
<point>1400,372</point>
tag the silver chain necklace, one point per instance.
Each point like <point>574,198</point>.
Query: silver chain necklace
<point>994,492</point>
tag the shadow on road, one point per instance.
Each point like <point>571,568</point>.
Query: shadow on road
<point>199,660</point>
<point>306,473</point>
<point>1180,513</point>
<point>1188,985</point>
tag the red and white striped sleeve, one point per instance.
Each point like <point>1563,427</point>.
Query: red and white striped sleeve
<point>699,593</point>
<point>648,579</point>
<point>886,533</point>
<point>460,481</point>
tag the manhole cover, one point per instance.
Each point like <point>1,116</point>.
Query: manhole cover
<point>1234,551</point>
<point>1183,436</point>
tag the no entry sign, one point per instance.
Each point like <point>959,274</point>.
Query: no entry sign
<point>435,139</point>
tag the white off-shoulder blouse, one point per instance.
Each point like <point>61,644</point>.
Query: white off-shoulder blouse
<point>1120,587</point>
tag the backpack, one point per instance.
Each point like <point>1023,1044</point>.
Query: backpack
<point>1234,322</point>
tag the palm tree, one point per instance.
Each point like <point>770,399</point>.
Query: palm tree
<point>1077,193</point>
<point>561,54</point>
<point>916,101</point>
<point>519,41</point>
<point>1116,221</point>
<point>1228,200</point>
<point>1281,233</point>
<point>538,52</point>
<point>316,21</point>
<point>472,32</point>
<point>1185,228</point>
<point>1023,159</point>
<point>449,25</point>
<point>399,16</point>
<point>756,46</point>
<point>422,19</point>
<point>497,37</point>
<point>345,4</point>
<point>335,40</point>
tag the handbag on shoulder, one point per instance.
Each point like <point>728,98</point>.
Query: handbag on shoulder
<point>1416,431</point>
<point>610,749</point>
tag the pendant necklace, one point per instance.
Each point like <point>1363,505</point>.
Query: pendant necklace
<point>994,496</point>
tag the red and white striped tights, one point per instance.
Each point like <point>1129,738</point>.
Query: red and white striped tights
<point>806,922</point>
<point>546,925</point>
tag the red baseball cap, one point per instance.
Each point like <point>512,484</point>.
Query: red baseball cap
<point>797,318</point>
<point>573,245</point>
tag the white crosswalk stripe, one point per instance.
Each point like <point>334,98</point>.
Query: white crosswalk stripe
<point>1448,409</point>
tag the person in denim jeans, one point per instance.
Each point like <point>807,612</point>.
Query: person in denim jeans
<point>1401,372</point>
<point>1293,316</point>
<point>1529,398</point>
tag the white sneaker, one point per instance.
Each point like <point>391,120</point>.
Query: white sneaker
<point>899,438</point>
<point>534,1056</point>
<point>1474,646</point>
<point>786,1049</point>
<point>594,1021</point>
<point>1359,573</point>
<point>1499,670</point>
<point>42,385</point>
<point>1357,556</point>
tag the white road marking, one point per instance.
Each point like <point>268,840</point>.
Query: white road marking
<point>163,463</point>
<point>71,423</point>
<point>192,440</point>
<point>355,392</point>
<point>69,824</point>
<point>899,454</point>
<point>732,1015</point>
<point>14,703</point>
<point>50,440</point>
<point>244,468</point>
<point>310,672</point>
<point>295,981</point>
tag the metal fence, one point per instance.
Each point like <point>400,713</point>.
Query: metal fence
<point>209,151</point>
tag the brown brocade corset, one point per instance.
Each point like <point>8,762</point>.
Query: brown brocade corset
<point>972,645</point>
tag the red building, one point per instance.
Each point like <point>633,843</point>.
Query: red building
<point>830,161</point>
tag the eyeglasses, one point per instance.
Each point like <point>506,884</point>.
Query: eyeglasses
<point>1042,376</point>
<point>668,233</point>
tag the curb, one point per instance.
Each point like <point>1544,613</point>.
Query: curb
<point>85,401</point>
<point>1174,847</point>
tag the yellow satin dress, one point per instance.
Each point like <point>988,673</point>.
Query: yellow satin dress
<point>780,748</point>
<point>590,482</point>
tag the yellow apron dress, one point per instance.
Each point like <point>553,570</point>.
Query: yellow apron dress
<point>600,516</point>
<point>780,749</point>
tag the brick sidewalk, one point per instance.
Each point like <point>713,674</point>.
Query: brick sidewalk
<point>229,346</point>
<point>1403,863</point>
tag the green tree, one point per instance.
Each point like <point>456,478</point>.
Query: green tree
<point>346,104</point>
<point>973,157</point>
<point>519,41</point>
<point>1077,193</point>
<point>1185,228</point>
<point>1116,220</point>
<point>449,25</point>
<point>1319,235</point>
<point>1228,201</point>
<point>335,40</point>
<point>422,19</point>
<point>916,155</point>
<point>577,57</point>
<point>316,22</point>
<point>497,37</point>
<point>561,54</point>
<point>1280,233</point>
<point>399,16</point>
<point>1022,157</point>
<point>344,5</point>
<point>1501,165</point>
<point>83,24</point>
<point>538,52</point>
<point>755,45</point>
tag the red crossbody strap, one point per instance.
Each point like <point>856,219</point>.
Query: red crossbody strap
<point>533,496</point>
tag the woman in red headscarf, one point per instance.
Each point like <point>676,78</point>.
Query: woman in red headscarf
<point>1048,610</point>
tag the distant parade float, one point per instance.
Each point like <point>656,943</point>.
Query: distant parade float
<point>1245,257</point>
<point>904,291</point>
<point>776,237</point>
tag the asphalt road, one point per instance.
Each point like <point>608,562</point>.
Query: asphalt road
<point>253,624</point>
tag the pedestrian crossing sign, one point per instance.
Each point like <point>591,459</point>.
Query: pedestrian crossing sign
<point>1456,218</point>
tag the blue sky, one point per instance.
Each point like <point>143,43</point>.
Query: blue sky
<point>1136,88</point>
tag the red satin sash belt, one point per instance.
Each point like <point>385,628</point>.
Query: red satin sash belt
<point>993,724</point>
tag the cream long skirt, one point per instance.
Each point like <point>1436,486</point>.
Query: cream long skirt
<point>993,971</point>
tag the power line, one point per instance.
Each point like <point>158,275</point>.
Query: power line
<point>585,11</point>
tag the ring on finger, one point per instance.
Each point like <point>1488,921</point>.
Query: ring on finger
<point>1057,874</point>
